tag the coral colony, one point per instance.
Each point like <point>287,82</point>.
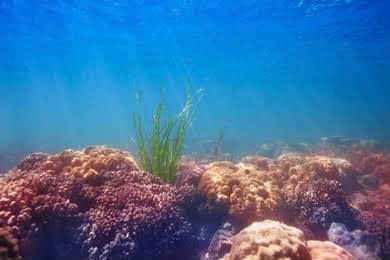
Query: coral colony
<point>98,204</point>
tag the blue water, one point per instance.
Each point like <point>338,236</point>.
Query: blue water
<point>270,70</point>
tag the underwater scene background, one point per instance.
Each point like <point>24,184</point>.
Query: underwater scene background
<point>270,70</point>
<point>287,155</point>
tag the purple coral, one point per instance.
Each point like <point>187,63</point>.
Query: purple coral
<point>137,217</point>
<point>94,204</point>
<point>321,202</point>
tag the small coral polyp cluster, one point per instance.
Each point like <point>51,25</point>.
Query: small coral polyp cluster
<point>98,204</point>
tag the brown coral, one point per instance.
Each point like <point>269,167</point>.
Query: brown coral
<point>268,240</point>
<point>325,250</point>
<point>246,192</point>
<point>89,162</point>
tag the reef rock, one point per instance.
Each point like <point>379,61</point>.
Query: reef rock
<point>247,193</point>
<point>92,204</point>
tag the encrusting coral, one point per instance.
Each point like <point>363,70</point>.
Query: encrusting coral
<point>93,204</point>
<point>246,192</point>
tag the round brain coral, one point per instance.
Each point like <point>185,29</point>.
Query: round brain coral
<point>247,193</point>
<point>269,240</point>
<point>93,204</point>
<point>325,250</point>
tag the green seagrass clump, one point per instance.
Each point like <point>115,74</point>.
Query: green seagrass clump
<point>160,150</point>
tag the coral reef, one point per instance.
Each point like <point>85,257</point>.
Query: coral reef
<point>96,202</point>
<point>322,202</point>
<point>326,250</point>
<point>314,191</point>
<point>89,162</point>
<point>367,161</point>
<point>247,193</point>
<point>361,244</point>
<point>221,242</point>
<point>8,246</point>
<point>274,240</point>
<point>259,188</point>
<point>261,163</point>
<point>268,240</point>
<point>379,226</point>
<point>374,199</point>
<point>189,173</point>
<point>279,148</point>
